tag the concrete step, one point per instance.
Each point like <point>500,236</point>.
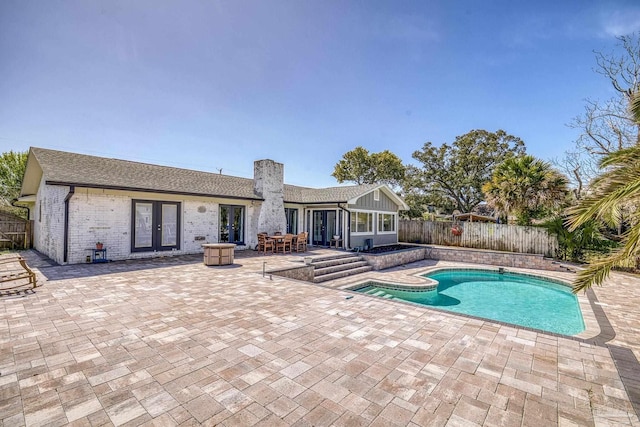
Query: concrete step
<point>338,267</point>
<point>375,292</point>
<point>335,261</point>
<point>336,257</point>
<point>340,274</point>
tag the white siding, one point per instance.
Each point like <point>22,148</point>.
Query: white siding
<point>98,218</point>
<point>48,225</point>
<point>199,224</point>
<point>105,216</point>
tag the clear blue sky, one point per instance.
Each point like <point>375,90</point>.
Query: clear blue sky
<point>209,84</point>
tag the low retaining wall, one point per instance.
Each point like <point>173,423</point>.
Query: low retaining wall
<point>457,254</point>
<point>304,272</point>
<point>505,259</point>
<point>393,259</point>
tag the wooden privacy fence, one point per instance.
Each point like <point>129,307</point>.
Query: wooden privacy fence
<point>479,235</point>
<point>15,232</point>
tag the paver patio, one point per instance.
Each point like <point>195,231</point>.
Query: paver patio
<point>170,341</point>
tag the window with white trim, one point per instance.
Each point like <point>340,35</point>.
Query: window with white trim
<point>361,222</point>
<point>376,195</point>
<point>386,223</point>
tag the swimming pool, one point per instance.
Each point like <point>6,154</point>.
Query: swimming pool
<point>523,300</point>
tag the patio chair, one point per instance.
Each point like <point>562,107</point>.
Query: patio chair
<point>301,242</point>
<point>285,243</point>
<point>265,243</point>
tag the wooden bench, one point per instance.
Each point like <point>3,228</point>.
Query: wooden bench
<point>15,273</point>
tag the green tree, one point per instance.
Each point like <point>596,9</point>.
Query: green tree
<point>575,245</point>
<point>420,203</point>
<point>12,167</point>
<point>362,167</point>
<point>456,172</point>
<point>616,189</point>
<point>525,187</point>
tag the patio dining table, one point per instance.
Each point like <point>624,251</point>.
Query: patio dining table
<point>280,237</point>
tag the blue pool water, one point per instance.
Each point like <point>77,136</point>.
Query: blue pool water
<point>508,297</point>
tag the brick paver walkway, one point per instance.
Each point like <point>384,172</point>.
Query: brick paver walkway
<point>172,342</point>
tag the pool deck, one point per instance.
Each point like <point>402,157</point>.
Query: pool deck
<point>170,341</point>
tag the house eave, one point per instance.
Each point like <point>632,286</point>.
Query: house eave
<point>150,190</point>
<point>25,200</point>
<point>316,203</point>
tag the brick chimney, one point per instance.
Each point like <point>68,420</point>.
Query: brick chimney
<point>268,183</point>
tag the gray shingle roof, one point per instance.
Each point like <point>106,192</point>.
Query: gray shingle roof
<point>325,195</point>
<point>90,171</point>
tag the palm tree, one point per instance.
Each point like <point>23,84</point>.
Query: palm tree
<point>635,108</point>
<point>525,186</point>
<point>618,186</point>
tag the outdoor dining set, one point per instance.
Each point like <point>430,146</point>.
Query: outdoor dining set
<point>282,243</point>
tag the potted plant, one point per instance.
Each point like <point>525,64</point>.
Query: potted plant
<point>99,245</point>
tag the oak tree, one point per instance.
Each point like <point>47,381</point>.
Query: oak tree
<point>455,173</point>
<point>362,167</point>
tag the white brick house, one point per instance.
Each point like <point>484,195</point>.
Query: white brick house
<point>141,210</point>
